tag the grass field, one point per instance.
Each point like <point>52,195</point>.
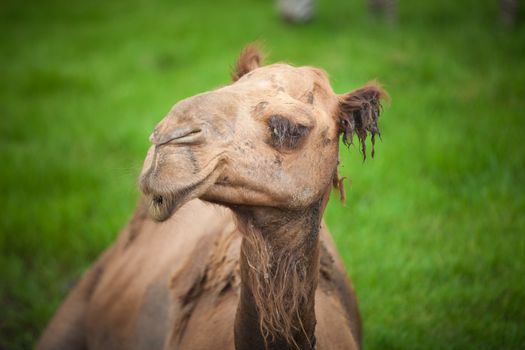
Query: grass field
<point>433,233</point>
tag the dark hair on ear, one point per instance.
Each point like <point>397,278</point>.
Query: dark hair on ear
<point>359,112</point>
<point>249,59</point>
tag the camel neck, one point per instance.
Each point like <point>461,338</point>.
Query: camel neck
<point>279,266</point>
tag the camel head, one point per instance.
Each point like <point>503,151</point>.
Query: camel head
<point>271,138</point>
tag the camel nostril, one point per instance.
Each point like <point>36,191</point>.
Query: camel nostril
<point>178,135</point>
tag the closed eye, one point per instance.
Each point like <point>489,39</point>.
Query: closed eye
<point>286,134</point>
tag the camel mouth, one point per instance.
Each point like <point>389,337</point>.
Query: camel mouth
<point>162,180</point>
<point>163,205</point>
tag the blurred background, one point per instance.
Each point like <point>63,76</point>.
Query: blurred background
<point>433,232</point>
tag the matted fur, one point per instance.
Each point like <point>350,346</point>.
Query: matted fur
<point>359,114</point>
<point>279,285</point>
<point>338,183</point>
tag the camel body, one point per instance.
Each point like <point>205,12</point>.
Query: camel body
<point>175,285</point>
<point>227,248</point>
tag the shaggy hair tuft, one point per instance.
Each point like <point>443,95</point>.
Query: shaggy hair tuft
<point>249,59</point>
<point>279,287</point>
<point>359,114</point>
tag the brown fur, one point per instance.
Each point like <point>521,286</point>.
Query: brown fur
<point>249,59</point>
<point>278,281</point>
<point>338,184</point>
<point>359,114</point>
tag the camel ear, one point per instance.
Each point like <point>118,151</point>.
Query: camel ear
<point>359,112</point>
<point>249,59</point>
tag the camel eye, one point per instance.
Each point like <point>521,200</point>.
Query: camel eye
<point>285,133</point>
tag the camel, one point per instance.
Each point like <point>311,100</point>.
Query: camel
<point>227,248</point>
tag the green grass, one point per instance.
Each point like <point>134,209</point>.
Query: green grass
<point>433,233</point>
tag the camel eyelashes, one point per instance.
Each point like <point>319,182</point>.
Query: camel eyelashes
<point>286,134</point>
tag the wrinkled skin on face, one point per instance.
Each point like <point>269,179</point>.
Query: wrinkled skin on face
<point>270,138</point>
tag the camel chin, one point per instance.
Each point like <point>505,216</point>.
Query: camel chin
<point>162,204</point>
<point>166,188</point>
<point>161,207</point>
